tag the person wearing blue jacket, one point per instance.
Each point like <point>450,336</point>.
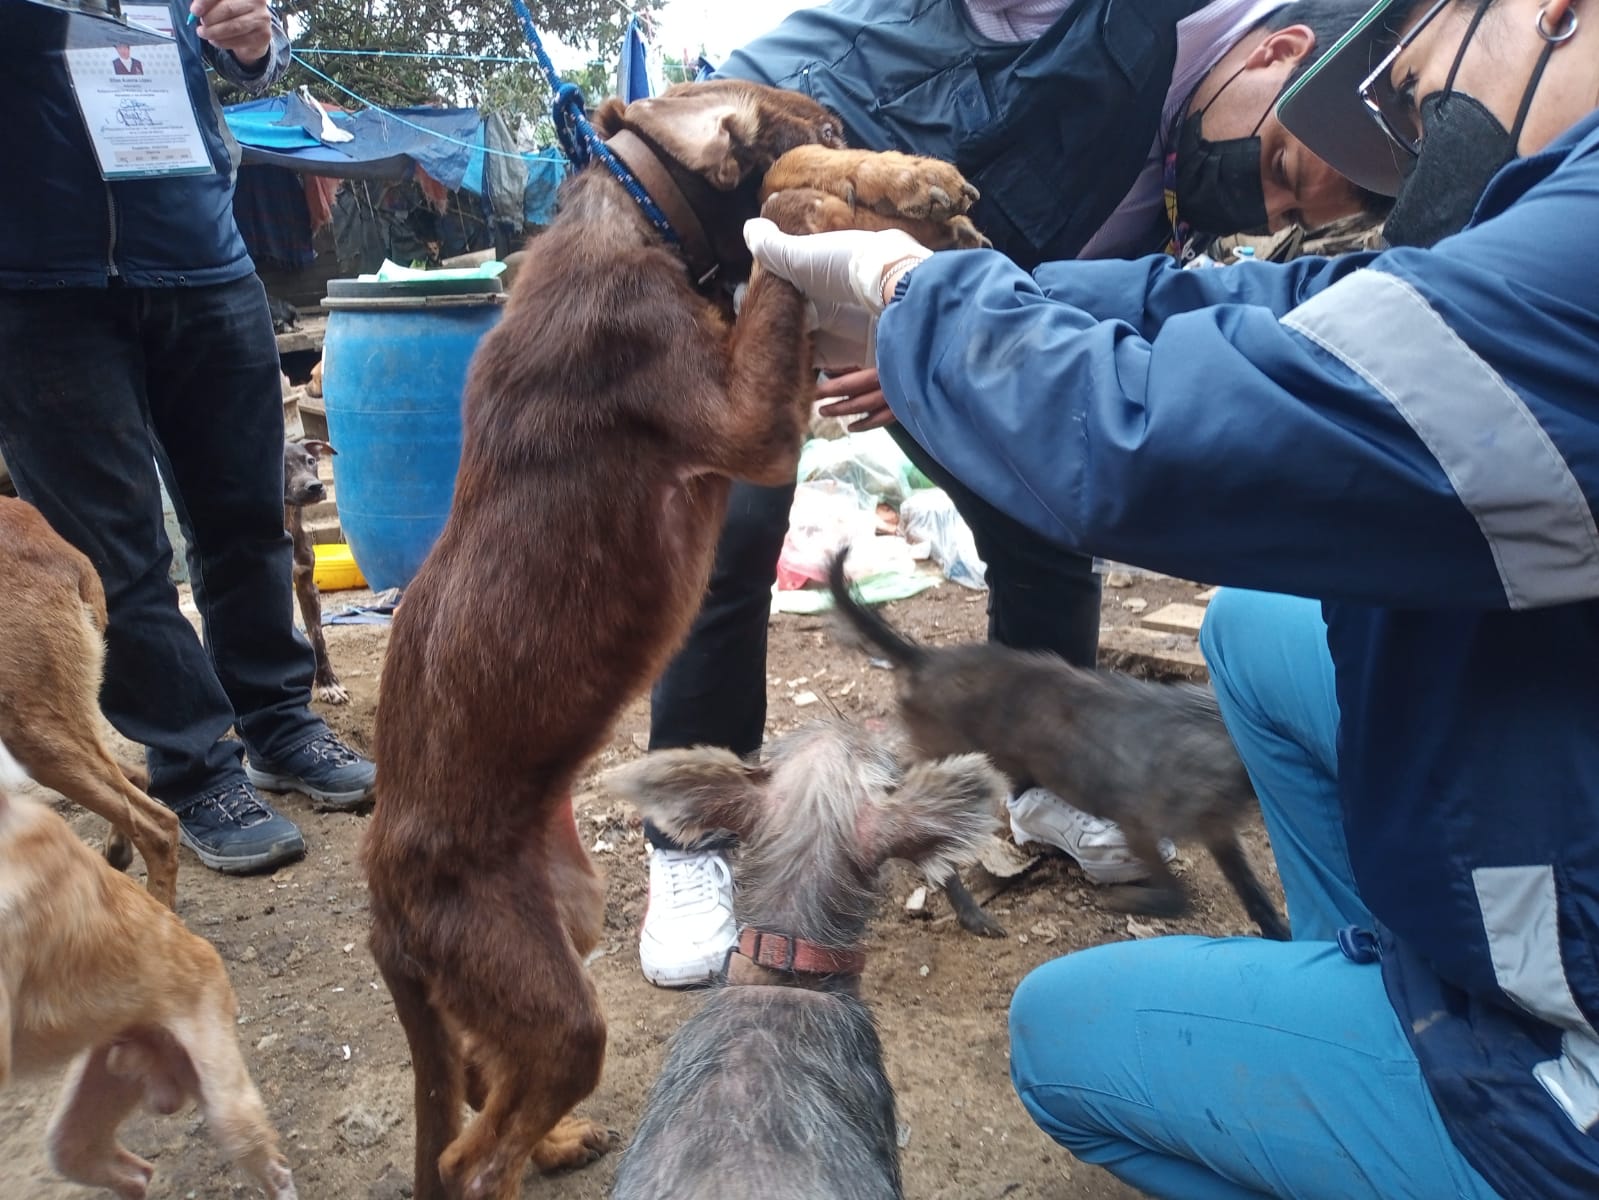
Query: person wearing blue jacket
<point>1093,129</point>
<point>134,332</point>
<point>1404,446</point>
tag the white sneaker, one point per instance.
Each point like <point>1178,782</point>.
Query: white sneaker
<point>1099,846</point>
<point>688,923</point>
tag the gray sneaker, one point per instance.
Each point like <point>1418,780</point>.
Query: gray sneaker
<point>234,831</point>
<point>325,769</point>
<point>1099,846</point>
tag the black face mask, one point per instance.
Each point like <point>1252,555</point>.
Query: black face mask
<point>1218,183</point>
<point>1463,146</point>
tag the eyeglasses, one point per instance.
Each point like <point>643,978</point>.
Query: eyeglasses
<point>1393,112</point>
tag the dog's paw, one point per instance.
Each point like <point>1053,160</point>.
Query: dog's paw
<point>901,185</point>
<point>575,1142</point>
<point>964,235</point>
<point>118,850</point>
<point>332,693</point>
<point>130,1176</point>
<point>979,924</point>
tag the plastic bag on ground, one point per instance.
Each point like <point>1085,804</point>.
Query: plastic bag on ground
<point>930,517</point>
<point>826,514</point>
<point>872,462</point>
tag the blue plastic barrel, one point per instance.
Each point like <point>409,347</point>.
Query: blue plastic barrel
<point>393,370</point>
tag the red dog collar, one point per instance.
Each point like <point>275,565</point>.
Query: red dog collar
<point>780,952</point>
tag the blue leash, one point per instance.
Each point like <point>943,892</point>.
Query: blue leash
<point>580,141</point>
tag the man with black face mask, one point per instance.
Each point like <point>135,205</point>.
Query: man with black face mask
<point>1093,129</point>
<point>1442,177</point>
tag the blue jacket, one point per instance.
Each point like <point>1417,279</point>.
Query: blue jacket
<point>1413,438</point>
<point>63,225</point>
<point>1053,132</point>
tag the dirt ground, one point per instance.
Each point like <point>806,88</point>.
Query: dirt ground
<point>322,1042</point>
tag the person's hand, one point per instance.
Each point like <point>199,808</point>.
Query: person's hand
<point>847,267</point>
<point>242,26</point>
<point>857,394</point>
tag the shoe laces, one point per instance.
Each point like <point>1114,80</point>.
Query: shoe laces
<point>1080,820</point>
<point>1085,821</point>
<point>238,804</point>
<point>693,881</point>
<point>328,749</point>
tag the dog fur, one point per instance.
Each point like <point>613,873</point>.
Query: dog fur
<point>1155,758</point>
<point>52,654</point>
<point>605,417</point>
<point>95,973</point>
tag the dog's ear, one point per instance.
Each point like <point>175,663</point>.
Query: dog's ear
<point>704,131</point>
<point>318,448</point>
<point>940,814</point>
<point>607,117</point>
<point>689,793</point>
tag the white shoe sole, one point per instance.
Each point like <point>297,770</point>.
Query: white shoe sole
<point>680,974</point>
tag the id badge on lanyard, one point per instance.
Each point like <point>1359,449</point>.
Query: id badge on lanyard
<point>136,105</point>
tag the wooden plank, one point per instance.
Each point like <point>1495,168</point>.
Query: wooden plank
<point>307,335</point>
<point>1147,653</point>
<point>1175,618</point>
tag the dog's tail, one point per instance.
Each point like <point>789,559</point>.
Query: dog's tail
<point>901,651</point>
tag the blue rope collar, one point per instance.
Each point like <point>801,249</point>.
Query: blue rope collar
<point>580,141</point>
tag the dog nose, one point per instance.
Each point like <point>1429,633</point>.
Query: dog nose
<point>316,490</point>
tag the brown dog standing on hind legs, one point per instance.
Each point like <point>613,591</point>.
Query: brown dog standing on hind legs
<point>52,654</point>
<point>1153,757</point>
<point>95,973</point>
<point>302,486</point>
<point>604,418</point>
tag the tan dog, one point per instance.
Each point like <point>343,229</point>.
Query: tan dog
<point>52,652</point>
<point>605,418</point>
<point>93,971</point>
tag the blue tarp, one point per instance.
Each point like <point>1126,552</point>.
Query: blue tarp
<point>277,132</point>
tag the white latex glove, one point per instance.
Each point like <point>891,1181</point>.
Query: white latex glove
<point>847,267</point>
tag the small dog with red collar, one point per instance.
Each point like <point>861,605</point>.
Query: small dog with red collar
<point>785,1052</point>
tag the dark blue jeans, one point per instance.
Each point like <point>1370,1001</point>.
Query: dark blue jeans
<point>713,693</point>
<point>98,387</point>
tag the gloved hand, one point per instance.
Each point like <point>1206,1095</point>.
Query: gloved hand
<point>847,267</point>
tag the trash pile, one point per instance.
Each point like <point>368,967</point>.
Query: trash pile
<point>861,491</point>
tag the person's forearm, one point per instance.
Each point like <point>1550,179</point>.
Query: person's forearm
<point>1234,446</point>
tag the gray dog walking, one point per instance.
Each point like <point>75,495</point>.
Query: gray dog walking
<point>1153,757</point>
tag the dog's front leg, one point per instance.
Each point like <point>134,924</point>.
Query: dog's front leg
<point>82,1136</point>
<point>328,688</point>
<point>769,385</point>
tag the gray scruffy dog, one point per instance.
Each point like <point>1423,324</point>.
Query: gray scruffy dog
<point>776,1087</point>
<point>1153,757</point>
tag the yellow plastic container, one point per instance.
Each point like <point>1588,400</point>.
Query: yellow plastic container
<point>335,568</point>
